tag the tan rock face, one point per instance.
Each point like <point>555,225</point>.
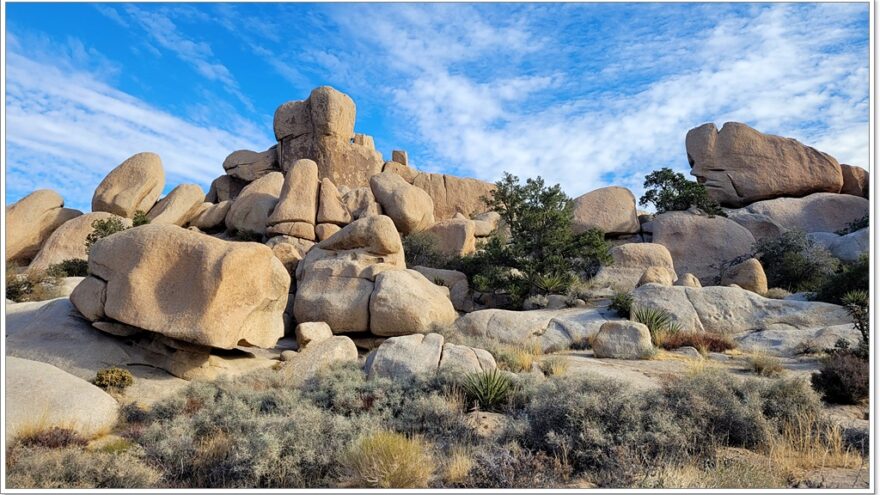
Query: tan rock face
<point>748,275</point>
<point>739,165</point>
<point>630,262</point>
<point>209,216</point>
<point>609,209</point>
<point>409,174</point>
<point>330,206</point>
<point>335,279</point>
<point>179,206</point>
<point>321,128</point>
<point>250,211</point>
<point>856,180</point>
<point>820,212</point>
<point>325,230</point>
<point>299,200</point>
<point>486,223</point>
<point>457,283</point>
<point>134,185</point>
<point>622,340</point>
<point>189,286</point>
<point>289,250</point>
<point>312,332</point>
<point>400,157</point>
<point>69,240</point>
<point>657,275</point>
<point>410,207</point>
<point>31,221</point>
<point>454,237</point>
<point>698,244</point>
<point>761,226</point>
<point>250,165</point>
<point>224,188</point>
<point>406,356</point>
<point>688,280</point>
<point>452,194</point>
<point>405,302</point>
<point>317,356</point>
<point>361,203</point>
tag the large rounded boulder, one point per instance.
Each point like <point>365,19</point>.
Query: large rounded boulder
<point>187,286</point>
<point>30,222</point>
<point>133,186</point>
<point>410,207</point>
<point>251,209</point>
<point>609,209</point>
<point>820,212</point>
<point>69,241</point>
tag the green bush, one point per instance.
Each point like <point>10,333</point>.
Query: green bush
<point>420,249</point>
<point>795,263</point>
<point>104,228</point>
<point>850,277</point>
<point>672,191</point>
<point>512,466</point>
<point>843,378</point>
<point>113,379</point>
<point>489,390</point>
<point>659,322</point>
<point>542,253</point>
<point>621,303</point>
<point>73,267</point>
<point>139,218</point>
<point>855,225</point>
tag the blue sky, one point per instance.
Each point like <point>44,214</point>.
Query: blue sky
<point>585,95</point>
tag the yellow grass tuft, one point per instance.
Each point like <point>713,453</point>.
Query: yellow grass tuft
<point>388,460</point>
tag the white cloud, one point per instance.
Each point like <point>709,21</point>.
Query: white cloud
<point>67,129</point>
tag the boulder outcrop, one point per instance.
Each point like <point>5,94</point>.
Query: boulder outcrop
<point>622,340</point>
<point>297,207</point>
<point>410,355</point>
<point>609,209</point>
<point>30,222</point>
<point>820,212</point>
<point>179,206</point>
<point>69,240</point>
<point>251,209</point>
<point>410,207</point>
<point>251,165</point>
<point>856,180</point>
<point>133,186</point>
<point>405,302</point>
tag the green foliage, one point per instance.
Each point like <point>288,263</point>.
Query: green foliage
<point>855,225</point>
<point>795,263</point>
<point>489,389</point>
<point>113,379</point>
<point>659,322</point>
<point>857,303</point>
<point>542,254</point>
<point>139,218</point>
<point>621,303</point>
<point>765,365</point>
<point>73,267</point>
<point>850,277</point>
<point>843,378</point>
<point>420,249</point>
<point>103,228</point>
<point>672,191</point>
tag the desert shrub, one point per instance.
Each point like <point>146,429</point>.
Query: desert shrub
<point>603,427</point>
<point>857,303</point>
<point>850,277</point>
<point>843,378</point>
<point>73,267</point>
<point>246,433</point>
<point>794,262</point>
<point>489,389</point>
<point>659,322</point>
<point>581,343</point>
<point>52,438</point>
<point>621,303</point>
<point>387,459</point>
<point>765,364</point>
<point>31,286</point>
<point>113,378</point>
<point>537,301</point>
<point>702,341</point>
<point>76,467</point>
<point>139,218</point>
<point>554,366</point>
<point>457,467</point>
<point>786,401</point>
<point>420,249</point>
<point>516,358</point>
<point>855,225</point>
<point>672,191</point>
<point>103,228</point>
<point>777,293</point>
<point>512,466</point>
<point>542,253</point>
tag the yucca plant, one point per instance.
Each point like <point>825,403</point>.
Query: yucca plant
<point>489,389</point>
<point>552,283</point>
<point>659,322</point>
<point>856,303</point>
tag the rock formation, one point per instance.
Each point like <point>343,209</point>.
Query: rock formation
<point>31,221</point>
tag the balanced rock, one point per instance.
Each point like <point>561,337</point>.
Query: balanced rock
<point>40,396</point>
<point>609,209</point>
<point>210,216</point>
<point>454,237</point>
<point>748,275</point>
<point>250,165</point>
<point>622,340</point>
<point>133,186</point>
<point>451,194</point>
<point>179,206</point>
<point>335,279</point>
<point>820,212</point>
<point>405,302</point>
<point>251,209</point>
<point>699,243</point>
<point>187,286</point>
<point>400,157</point>
<point>69,240</point>
<point>739,165</point>
<point>410,207</point>
<point>30,222</point>
<point>856,180</point>
<point>224,188</point>
<point>321,128</point>
<point>298,202</point>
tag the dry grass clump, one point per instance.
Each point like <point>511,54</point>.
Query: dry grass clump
<point>30,467</point>
<point>388,460</point>
<point>51,438</point>
<point>458,466</point>
<point>764,364</point>
<point>808,442</point>
<point>555,366</point>
<point>728,468</point>
<point>703,342</point>
<point>30,286</point>
<point>777,293</point>
<point>516,358</point>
